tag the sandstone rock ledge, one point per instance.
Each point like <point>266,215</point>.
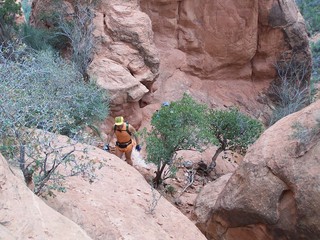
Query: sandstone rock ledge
<point>117,205</point>
<point>274,194</point>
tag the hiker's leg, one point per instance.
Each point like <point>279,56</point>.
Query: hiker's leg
<point>119,154</point>
<point>128,156</point>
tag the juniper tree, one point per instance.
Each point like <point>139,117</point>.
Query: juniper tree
<point>175,127</point>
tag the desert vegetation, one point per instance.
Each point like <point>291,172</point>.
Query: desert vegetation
<point>44,96</point>
<point>310,10</point>
<point>188,125</point>
<point>292,90</point>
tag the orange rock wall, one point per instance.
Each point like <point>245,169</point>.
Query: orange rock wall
<point>228,40</point>
<point>222,52</point>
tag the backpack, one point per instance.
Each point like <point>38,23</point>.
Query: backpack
<point>127,128</point>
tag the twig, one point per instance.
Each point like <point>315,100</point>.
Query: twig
<point>190,180</point>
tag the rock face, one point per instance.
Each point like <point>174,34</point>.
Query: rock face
<point>120,204</point>
<point>223,52</point>
<point>126,61</point>
<point>274,193</point>
<point>25,216</point>
<point>228,40</point>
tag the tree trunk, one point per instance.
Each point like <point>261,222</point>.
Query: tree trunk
<point>158,179</point>
<point>22,161</point>
<point>214,158</point>
<point>27,174</point>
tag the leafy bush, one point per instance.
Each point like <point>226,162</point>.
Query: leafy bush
<point>232,130</point>
<point>70,31</point>
<point>39,90</point>
<point>26,6</point>
<point>174,127</point>
<point>8,11</point>
<point>188,125</point>
<point>310,10</point>
<point>315,49</point>
<point>48,88</point>
<point>41,38</point>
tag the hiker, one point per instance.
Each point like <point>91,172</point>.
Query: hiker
<point>124,133</point>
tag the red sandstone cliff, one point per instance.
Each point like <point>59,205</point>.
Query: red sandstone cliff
<point>221,52</point>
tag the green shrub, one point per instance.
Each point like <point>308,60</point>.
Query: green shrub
<point>48,88</point>
<point>8,11</point>
<point>174,127</point>
<point>75,29</point>
<point>41,38</point>
<point>310,10</point>
<point>70,31</point>
<point>39,90</point>
<point>315,49</point>
<point>188,125</point>
<point>232,130</point>
<point>26,6</point>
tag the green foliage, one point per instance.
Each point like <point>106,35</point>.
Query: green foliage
<point>310,10</point>
<point>69,31</point>
<point>170,190</point>
<point>175,127</point>
<point>315,49</point>
<point>232,130</point>
<point>39,90</point>
<point>188,125</point>
<point>75,30</point>
<point>26,6</point>
<point>8,11</point>
<point>41,38</point>
<point>41,87</point>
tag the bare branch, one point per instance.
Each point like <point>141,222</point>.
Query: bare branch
<point>291,90</point>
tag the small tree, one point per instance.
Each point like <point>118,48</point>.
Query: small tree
<point>39,90</point>
<point>232,130</point>
<point>174,127</point>
<point>78,28</point>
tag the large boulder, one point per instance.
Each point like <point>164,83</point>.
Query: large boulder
<point>115,203</point>
<point>126,61</point>
<point>25,216</point>
<point>274,193</point>
<point>119,203</point>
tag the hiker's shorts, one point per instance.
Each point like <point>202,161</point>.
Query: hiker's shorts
<point>126,147</point>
